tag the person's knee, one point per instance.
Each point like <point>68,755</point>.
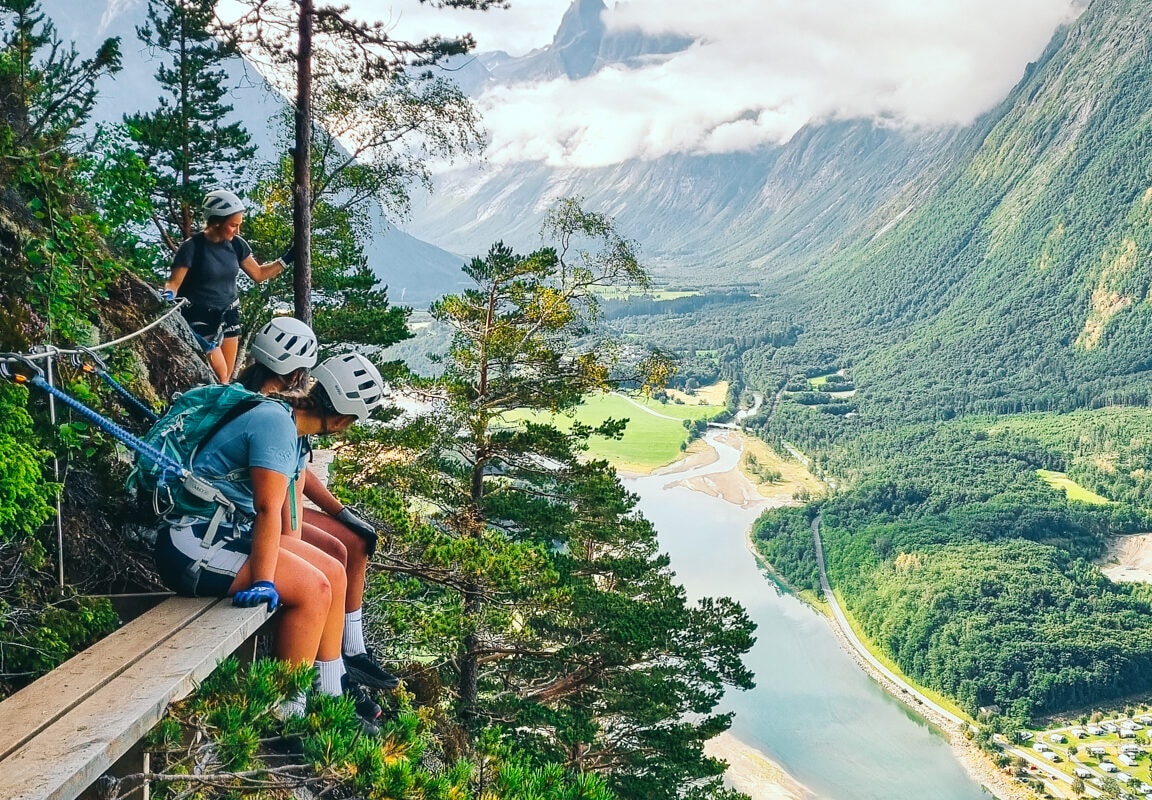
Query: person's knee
<point>322,590</point>
<point>357,547</point>
<point>340,552</point>
<point>333,570</point>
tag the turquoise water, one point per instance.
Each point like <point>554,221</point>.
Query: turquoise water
<point>813,711</point>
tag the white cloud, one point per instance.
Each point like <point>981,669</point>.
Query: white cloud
<point>516,30</point>
<point>761,69</point>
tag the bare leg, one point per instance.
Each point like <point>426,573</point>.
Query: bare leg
<point>230,346</point>
<point>324,541</point>
<point>218,364</point>
<point>311,586</point>
<point>355,549</point>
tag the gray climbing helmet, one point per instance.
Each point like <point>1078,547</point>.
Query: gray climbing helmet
<point>353,384</point>
<point>284,345</point>
<point>222,203</point>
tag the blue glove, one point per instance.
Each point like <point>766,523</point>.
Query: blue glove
<point>168,296</point>
<point>259,592</point>
<point>289,256</point>
<point>364,530</point>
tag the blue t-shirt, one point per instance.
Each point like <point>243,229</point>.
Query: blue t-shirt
<point>264,436</point>
<point>212,282</point>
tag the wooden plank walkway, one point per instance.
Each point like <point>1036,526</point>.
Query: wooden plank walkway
<point>61,733</point>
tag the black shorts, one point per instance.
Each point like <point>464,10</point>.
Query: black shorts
<point>189,568</point>
<point>213,325</point>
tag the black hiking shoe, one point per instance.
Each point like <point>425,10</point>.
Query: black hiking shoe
<point>368,728</point>
<point>366,707</point>
<point>362,669</point>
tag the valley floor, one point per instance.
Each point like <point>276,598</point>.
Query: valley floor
<point>751,771</point>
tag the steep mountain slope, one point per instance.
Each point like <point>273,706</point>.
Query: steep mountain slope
<point>1022,281</point>
<point>704,219</point>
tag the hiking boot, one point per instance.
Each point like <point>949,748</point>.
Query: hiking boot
<point>368,728</point>
<point>366,707</point>
<point>362,669</point>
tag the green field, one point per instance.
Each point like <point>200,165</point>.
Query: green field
<point>649,441</point>
<point>1071,489</point>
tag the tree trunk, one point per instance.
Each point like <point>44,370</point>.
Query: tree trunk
<point>302,170</point>
<point>469,656</point>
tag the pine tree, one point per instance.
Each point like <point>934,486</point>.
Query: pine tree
<point>187,141</point>
<point>351,306</point>
<point>350,76</point>
<point>564,623</point>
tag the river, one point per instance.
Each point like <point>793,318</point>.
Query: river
<point>814,711</point>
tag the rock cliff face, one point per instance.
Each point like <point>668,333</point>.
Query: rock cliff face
<point>105,549</point>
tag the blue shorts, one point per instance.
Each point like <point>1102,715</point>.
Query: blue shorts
<point>190,568</point>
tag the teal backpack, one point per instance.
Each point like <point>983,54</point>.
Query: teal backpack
<point>193,418</point>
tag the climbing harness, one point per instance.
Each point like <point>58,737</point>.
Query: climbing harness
<point>89,362</point>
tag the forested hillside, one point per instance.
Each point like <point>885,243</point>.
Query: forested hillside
<point>1021,282</point>
<point>990,322</point>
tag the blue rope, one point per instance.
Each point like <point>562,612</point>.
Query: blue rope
<point>132,401</point>
<point>168,465</point>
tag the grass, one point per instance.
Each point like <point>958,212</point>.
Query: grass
<point>649,441</point>
<point>1071,489</point>
<point>714,395</point>
<point>794,476</point>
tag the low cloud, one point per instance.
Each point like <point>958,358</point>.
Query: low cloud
<point>761,69</point>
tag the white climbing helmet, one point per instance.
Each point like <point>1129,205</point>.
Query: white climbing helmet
<point>284,345</point>
<point>222,203</point>
<point>353,384</point>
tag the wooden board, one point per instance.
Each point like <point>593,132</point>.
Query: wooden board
<point>114,700</point>
<point>33,708</point>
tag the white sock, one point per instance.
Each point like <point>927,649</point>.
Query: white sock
<point>292,707</point>
<point>329,675</point>
<point>354,633</point>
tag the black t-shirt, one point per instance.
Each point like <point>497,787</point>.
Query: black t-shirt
<point>211,278</point>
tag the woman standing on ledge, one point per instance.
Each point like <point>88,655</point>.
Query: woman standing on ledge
<point>204,271</point>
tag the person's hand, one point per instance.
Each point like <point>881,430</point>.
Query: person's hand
<point>289,257</point>
<point>257,593</point>
<point>364,530</point>
<point>168,296</point>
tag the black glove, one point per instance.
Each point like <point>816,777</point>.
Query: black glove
<point>257,593</point>
<point>289,256</point>
<point>364,530</point>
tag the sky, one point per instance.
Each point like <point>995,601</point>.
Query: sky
<point>759,71</point>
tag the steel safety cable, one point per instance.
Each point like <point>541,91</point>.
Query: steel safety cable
<point>52,350</point>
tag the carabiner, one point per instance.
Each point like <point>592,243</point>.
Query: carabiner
<point>9,360</point>
<point>93,363</point>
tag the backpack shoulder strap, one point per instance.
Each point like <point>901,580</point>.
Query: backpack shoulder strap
<point>197,264</point>
<point>231,414</point>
